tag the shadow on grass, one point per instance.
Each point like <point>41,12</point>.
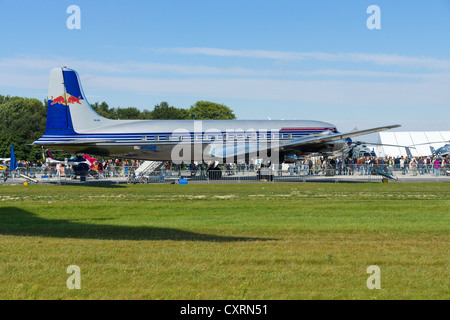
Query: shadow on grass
<point>18,222</point>
<point>102,184</point>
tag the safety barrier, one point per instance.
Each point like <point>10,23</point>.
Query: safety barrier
<point>244,173</point>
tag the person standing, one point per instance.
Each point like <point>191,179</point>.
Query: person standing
<point>436,166</point>
<point>402,165</point>
<point>414,166</point>
<point>58,170</point>
<point>420,165</point>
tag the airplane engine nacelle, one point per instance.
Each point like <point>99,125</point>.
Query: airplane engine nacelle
<point>338,145</point>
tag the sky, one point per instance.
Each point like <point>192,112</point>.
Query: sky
<point>285,59</point>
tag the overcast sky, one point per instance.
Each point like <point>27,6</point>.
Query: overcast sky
<point>264,59</point>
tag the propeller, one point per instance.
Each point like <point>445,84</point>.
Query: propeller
<point>382,144</point>
<point>421,144</point>
<point>353,144</point>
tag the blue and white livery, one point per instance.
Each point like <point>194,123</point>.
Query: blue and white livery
<point>72,125</point>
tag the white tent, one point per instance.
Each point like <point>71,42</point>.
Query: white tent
<point>419,142</point>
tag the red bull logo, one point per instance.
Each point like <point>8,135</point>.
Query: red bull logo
<point>65,99</point>
<point>59,100</point>
<point>73,100</point>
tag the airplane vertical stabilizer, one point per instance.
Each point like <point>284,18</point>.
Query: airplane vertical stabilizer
<point>68,111</point>
<point>433,151</point>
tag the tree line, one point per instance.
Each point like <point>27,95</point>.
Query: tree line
<point>22,120</point>
<point>201,110</point>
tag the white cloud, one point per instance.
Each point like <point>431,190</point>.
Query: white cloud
<point>380,59</point>
<point>331,92</point>
<point>32,64</point>
<point>331,86</point>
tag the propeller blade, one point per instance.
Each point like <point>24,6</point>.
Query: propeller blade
<point>383,144</point>
<point>420,144</point>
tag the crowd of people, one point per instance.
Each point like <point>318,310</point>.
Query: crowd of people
<point>339,166</point>
<point>370,165</point>
<point>107,167</point>
<point>308,166</point>
<point>350,166</point>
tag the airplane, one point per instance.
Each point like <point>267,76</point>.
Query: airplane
<point>73,126</point>
<point>358,150</point>
<point>81,165</point>
<point>408,152</point>
<point>441,152</point>
<point>85,158</point>
<point>50,160</point>
<point>87,165</point>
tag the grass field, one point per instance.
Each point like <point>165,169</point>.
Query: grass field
<point>241,241</point>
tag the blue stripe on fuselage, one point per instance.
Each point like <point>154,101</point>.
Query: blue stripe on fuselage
<point>154,137</point>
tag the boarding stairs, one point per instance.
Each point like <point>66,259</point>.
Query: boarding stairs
<point>147,167</point>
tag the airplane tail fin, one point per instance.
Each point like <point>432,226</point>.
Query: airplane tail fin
<point>433,151</point>
<point>89,158</point>
<point>68,111</point>
<point>408,152</point>
<point>49,154</point>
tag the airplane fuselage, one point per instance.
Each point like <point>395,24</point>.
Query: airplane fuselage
<point>155,139</point>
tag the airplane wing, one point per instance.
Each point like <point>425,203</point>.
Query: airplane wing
<point>334,137</point>
<point>239,150</point>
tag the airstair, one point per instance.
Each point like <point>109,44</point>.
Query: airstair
<point>147,167</point>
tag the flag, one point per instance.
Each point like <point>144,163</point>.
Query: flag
<point>13,162</point>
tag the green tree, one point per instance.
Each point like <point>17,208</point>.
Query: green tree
<point>104,110</point>
<point>129,113</point>
<point>162,111</point>
<point>206,110</point>
<point>22,121</point>
<point>203,110</point>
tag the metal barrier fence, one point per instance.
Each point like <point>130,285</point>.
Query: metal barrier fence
<point>243,173</point>
<point>356,173</point>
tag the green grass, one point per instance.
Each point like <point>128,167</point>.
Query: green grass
<point>247,241</point>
